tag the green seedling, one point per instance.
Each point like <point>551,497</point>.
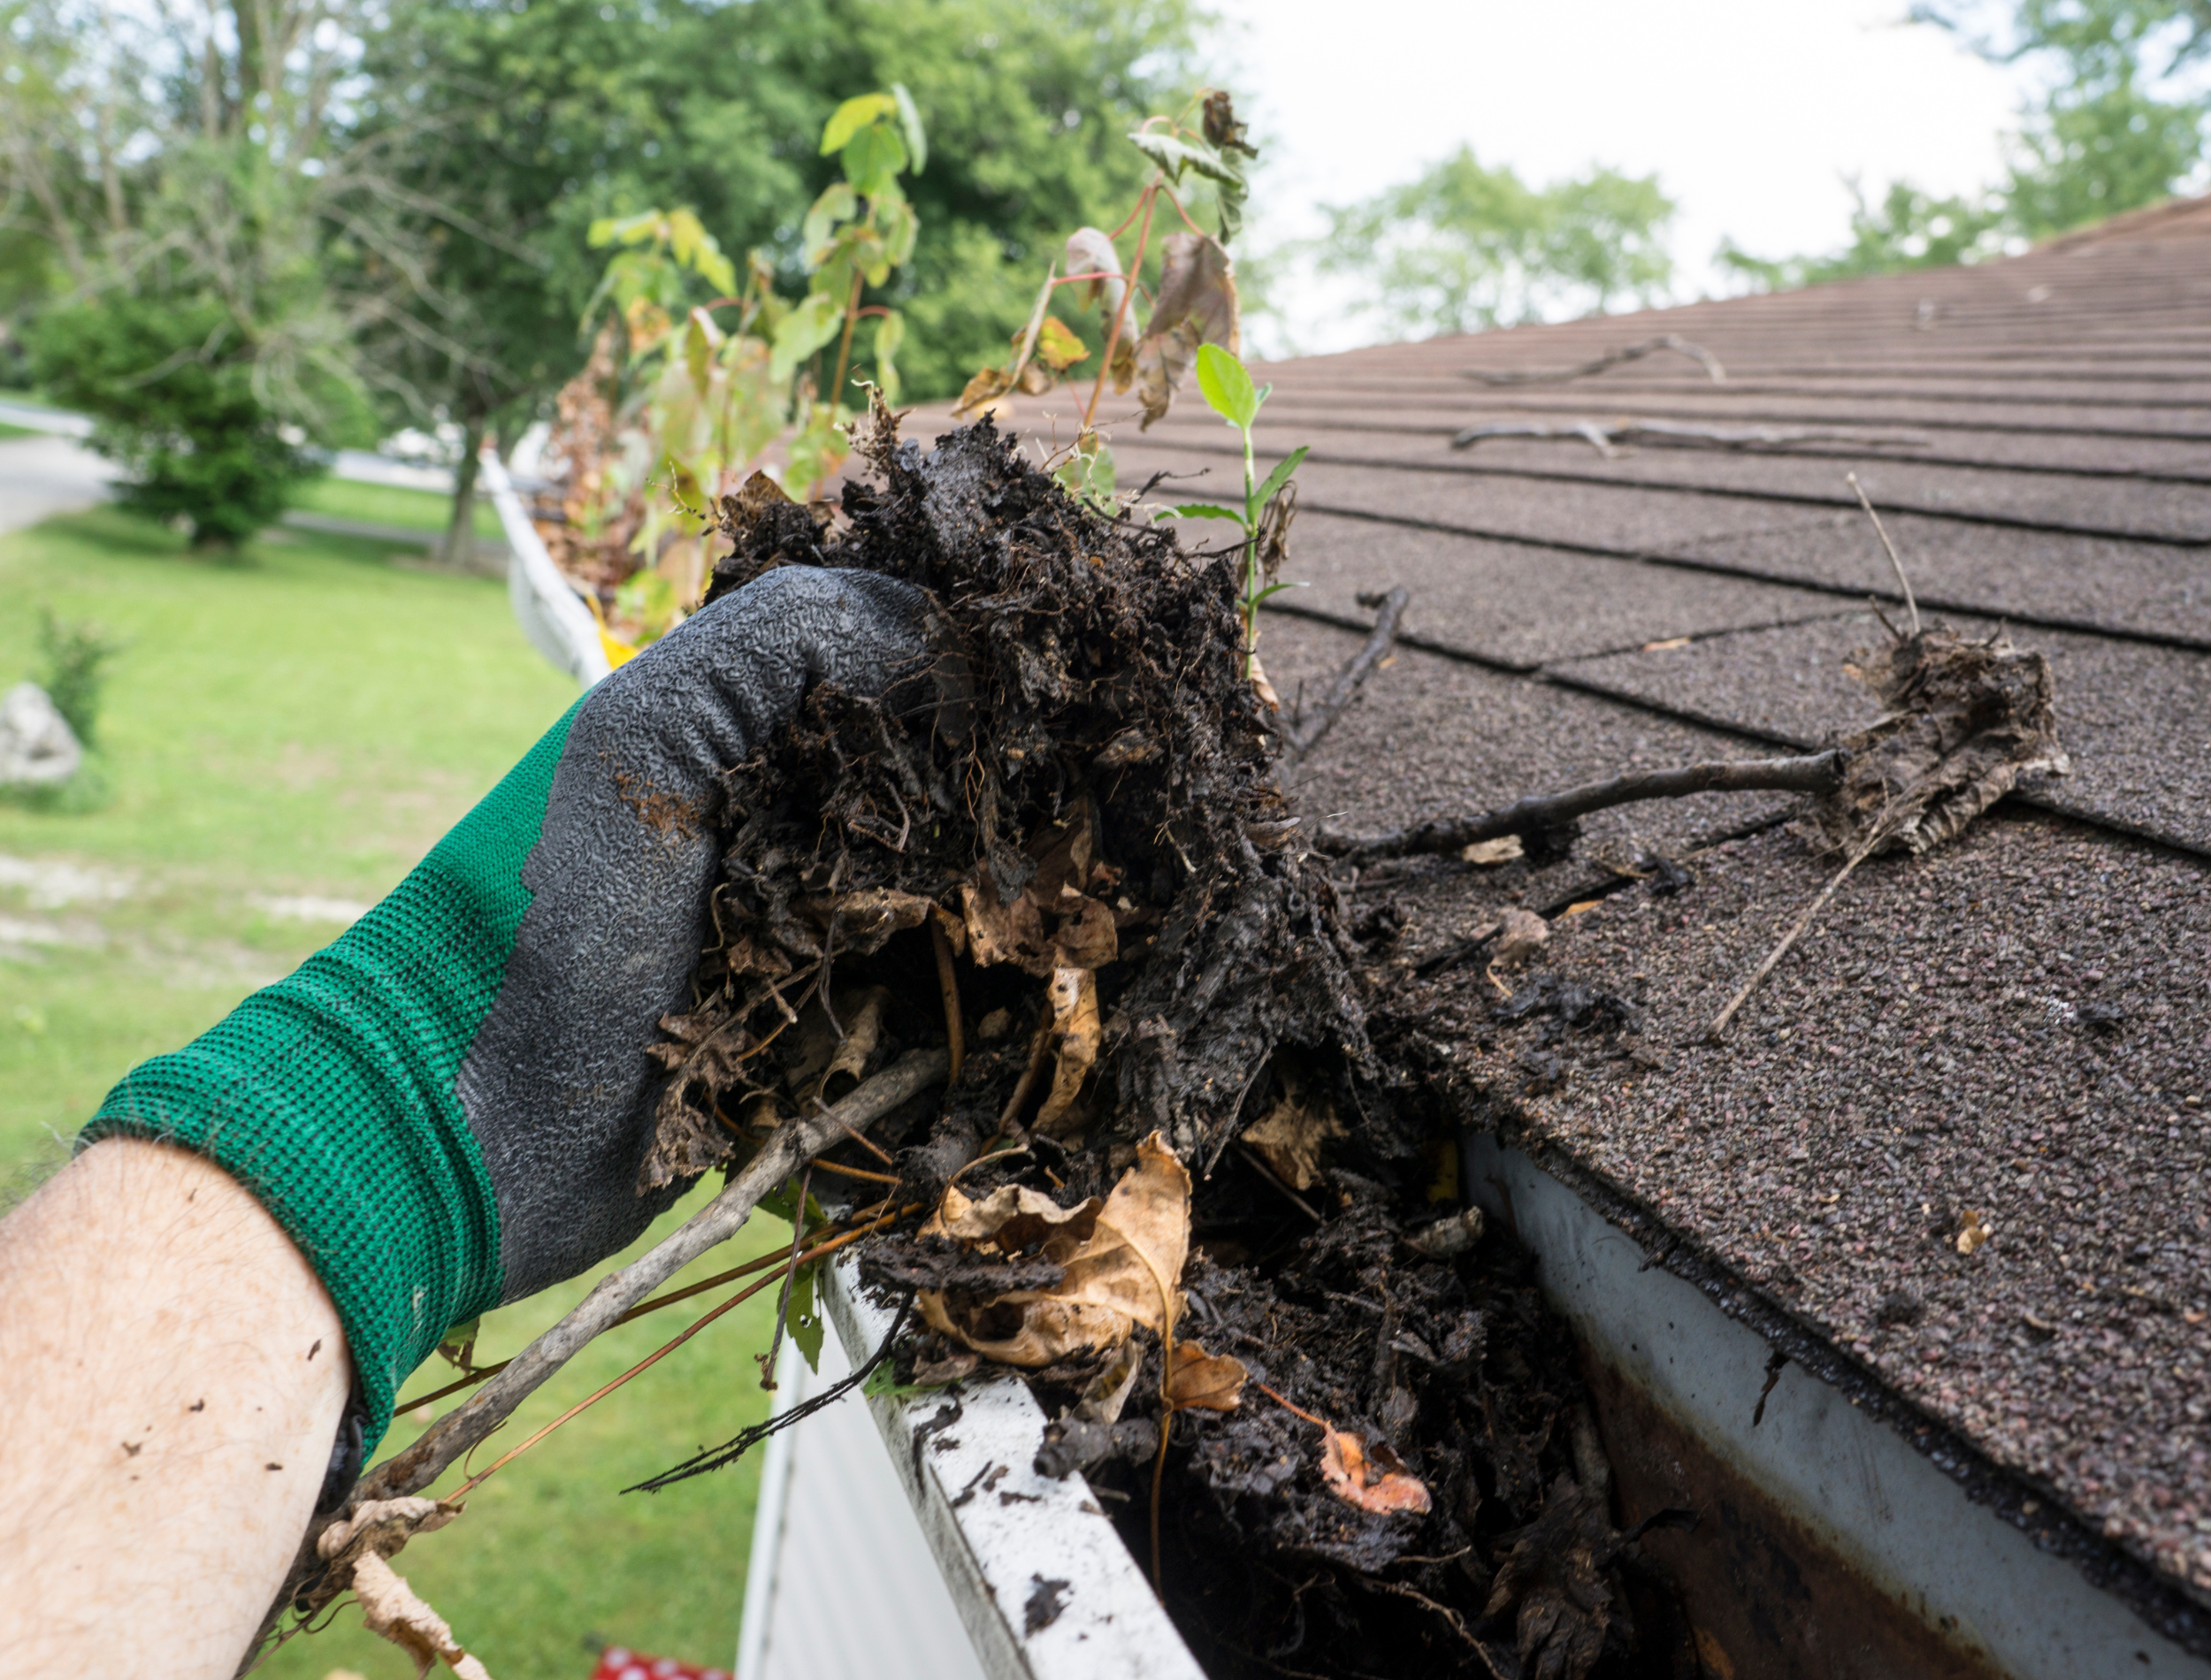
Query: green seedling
<point>1268,503</point>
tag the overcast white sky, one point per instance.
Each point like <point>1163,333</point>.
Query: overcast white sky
<point>1750,111</point>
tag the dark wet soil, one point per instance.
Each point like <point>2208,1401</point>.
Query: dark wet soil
<point>1085,750</point>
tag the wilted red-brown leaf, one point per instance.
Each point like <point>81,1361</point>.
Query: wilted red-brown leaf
<point>1197,1380</point>
<point>1374,1483</point>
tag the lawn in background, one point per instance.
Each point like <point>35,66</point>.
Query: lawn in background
<point>283,736</point>
<point>428,510</point>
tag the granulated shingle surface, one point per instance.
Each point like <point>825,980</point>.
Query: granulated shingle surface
<point>2016,1026</point>
<point>1513,605</point>
<point>2157,591</point>
<point>1433,736</point>
<point>2136,719</point>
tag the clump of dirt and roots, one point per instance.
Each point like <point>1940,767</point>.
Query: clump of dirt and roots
<point>1062,849</point>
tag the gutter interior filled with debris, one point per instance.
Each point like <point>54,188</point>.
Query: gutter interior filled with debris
<point>1183,1174</point>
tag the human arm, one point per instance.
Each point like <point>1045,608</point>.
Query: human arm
<point>172,1377</point>
<point>448,1109</point>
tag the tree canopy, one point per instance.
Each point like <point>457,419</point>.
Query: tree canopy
<point>2121,122</point>
<point>1465,246</point>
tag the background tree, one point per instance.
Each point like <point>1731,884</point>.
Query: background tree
<point>2122,121</point>
<point>191,175</point>
<point>1464,247</point>
<point>529,123</point>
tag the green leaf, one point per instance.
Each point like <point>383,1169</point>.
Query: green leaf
<point>890,333</point>
<point>1199,510</point>
<point>872,159</point>
<point>805,1319</point>
<point>852,116</point>
<point>897,223</point>
<point>809,327</point>
<point>838,203</point>
<point>1275,589</point>
<point>1174,154</point>
<point>910,120</point>
<point>1226,387</point>
<point>1280,476</point>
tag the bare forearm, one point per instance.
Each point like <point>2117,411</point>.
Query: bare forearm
<point>172,1375</point>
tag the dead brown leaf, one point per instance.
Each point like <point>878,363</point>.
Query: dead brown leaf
<point>1123,1273</point>
<point>1375,1481</point>
<point>1014,1219</point>
<point>1289,1137</point>
<point>1973,1231</point>
<point>1075,1030</point>
<point>394,1611</point>
<point>1964,722</point>
<point>1197,304</point>
<point>822,1067</point>
<point>1200,1381</point>
<point>989,386</point>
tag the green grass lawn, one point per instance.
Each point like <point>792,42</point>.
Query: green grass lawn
<point>301,724</point>
<point>7,432</point>
<point>388,505</point>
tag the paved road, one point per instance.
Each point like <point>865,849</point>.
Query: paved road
<point>43,477</point>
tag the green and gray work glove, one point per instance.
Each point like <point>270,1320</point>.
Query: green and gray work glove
<point>448,1108</point>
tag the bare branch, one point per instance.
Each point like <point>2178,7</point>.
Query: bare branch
<point>1881,530</point>
<point>1815,773</point>
<point>794,1142</point>
<point>1606,436</point>
<point>1672,341</point>
<point>1305,732</point>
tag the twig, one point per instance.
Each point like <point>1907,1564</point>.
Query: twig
<point>729,1451</point>
<point>948,982</point>
<point>1605,436</point>
<point>1720,1020</point>
<point>1815,773</point>
<point>1252,1158</point>
<point>856,1173</point>
<point>775,1257</point>
<point>1672,341</point>
<point>794,1142</point>
<point>1881,530</point>
<point>1306,733</point>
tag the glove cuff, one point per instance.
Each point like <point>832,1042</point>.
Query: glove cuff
<point>330,1095</point>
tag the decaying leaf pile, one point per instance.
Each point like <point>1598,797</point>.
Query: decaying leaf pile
<point>1171,1181</point>
<point>1961,722</point>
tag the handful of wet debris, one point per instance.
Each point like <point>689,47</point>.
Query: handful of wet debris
<point>1170,1182</point>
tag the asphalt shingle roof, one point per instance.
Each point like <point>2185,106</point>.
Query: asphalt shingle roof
<point>2019,1024</point>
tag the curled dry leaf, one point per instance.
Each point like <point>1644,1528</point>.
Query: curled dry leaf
<point>1121,1267</point>
<point>1289,1137</point>
<point>379,1527</point>
<point>1373,1481</point>
<point>1964,722</point>
<point>1200,1381</point>
<point>1074,1027</point>
<point>983,394</point>
<point>823,1066</point>
<point>394,1611</point>
<point>1089,251</point>
<point>1197,304</point>
<point>1493,851</point>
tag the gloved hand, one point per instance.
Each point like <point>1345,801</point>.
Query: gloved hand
<point>448,1108</point>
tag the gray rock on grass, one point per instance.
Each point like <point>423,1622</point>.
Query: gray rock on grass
<point>37,747</point>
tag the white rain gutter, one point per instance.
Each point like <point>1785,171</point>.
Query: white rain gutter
<point>1862,1492</point>
<point>1004,1537</point>
<point>551,613</point>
